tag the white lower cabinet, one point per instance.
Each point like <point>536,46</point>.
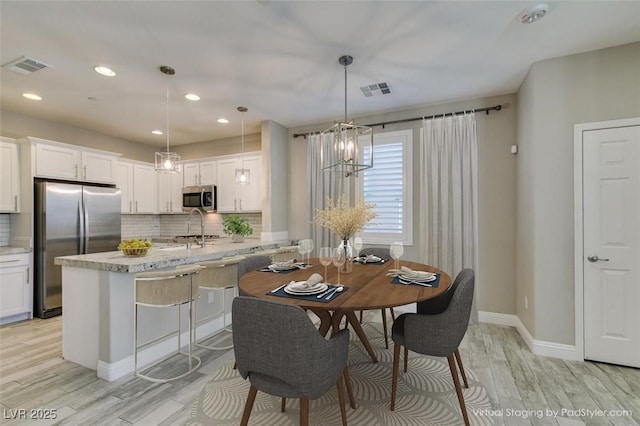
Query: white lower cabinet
<point>16,288</point>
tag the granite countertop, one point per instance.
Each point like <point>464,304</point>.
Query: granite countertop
<point>166,257</point>
<point>14,250</point>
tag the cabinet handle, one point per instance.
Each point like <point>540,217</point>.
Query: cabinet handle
<point>240,202</point>
<point>27,275</point>
<point>9,261</point>
<point>76,166</point>
<point>85,171</point>
<point>199,179</point>
<point>136,207</point>
<point>170,206</point>
<point>129,206</point>
<point>15,203</point>
<point>235,204</point>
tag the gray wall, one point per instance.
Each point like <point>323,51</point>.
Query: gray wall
<point>496,186</point>
<point>16,125</point>
<point>556,94</point>
<point>219,147</point>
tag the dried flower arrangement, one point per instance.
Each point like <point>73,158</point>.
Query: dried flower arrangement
<point>343,219</point>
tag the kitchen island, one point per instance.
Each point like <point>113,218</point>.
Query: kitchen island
<point>98,304</point>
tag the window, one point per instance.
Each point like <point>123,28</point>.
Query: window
<point>388,185</point>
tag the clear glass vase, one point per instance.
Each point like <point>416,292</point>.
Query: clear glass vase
<point>348,255</point>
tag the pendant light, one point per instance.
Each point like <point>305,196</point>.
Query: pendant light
<point>167,162</point>
<point>342,154</point>
<point>242,175</point>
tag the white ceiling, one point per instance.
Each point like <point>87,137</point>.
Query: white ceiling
<point>279,59</point>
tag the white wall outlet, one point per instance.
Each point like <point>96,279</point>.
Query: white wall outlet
<point>514,149</point>
<point>210,297</point>
<point>526,303</point>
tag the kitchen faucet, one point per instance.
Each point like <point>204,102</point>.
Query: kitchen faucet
<point>201,227</point>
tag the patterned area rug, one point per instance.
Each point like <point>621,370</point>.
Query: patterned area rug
<point>426,395</point>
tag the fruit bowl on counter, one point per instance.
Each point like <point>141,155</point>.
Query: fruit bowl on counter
<point>134,247</point>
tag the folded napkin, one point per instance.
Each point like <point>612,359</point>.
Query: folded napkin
<point>310,282</point>
<point>410,273</point>
<point>371,258</point>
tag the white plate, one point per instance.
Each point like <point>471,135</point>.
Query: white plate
<point>417,279</point>
<point>275,267</point>
<point>318,288</point>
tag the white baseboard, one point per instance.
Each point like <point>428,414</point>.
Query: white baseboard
<point>157,351</point>
<point>538,347</point>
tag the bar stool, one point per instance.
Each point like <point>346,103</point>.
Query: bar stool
<point>284,254</point>
<point>163,289</point>
<point>219,275</point>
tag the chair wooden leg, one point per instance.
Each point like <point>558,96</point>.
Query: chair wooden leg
<point>361,316</point>
<point>235,365</point>
<point>343,409</point>
<point>406,359</point>
<point>393,314</point>
<point>304,412</point>
<point>464,375</point>
<point>347,380</point>
<point>283,405</point>
<point>248,405</point>
<point>384,327</point>
<point>456,383</point>
<point>394,379</point>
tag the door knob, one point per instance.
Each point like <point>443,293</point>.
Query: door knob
<point>594,259</point>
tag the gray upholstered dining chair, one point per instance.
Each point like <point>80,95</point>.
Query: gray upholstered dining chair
<point>436,306</point>
<point>252,262</point>
<point>383,253</point>
<point>436,335</point>
<point>281,352</point>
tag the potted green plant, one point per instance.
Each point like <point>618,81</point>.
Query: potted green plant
<point>236,226</point>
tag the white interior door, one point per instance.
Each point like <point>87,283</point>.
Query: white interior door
<point>611,248</point>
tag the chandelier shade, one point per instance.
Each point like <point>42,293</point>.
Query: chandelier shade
<point>342,154</point>
<point>167,161</point>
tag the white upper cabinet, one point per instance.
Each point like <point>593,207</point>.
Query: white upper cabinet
<point>70,162</point>
<point>200,173</point>
<point>139,186</point>
<point>9,176</point>
<point>170,192</point>
<point>236,197</point>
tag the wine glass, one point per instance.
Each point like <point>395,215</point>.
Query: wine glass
<point>357,245</point>
<point>308,248</point>
<point>338,257</point>
<point>396,250</point>
<point>325,259</point>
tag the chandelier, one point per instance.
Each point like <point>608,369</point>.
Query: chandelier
<point>167,162</point>
<point>242,175</point>
<point>342,155</point>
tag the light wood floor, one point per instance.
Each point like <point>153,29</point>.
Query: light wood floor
<point>522,386</point>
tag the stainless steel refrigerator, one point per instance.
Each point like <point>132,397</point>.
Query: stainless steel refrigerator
<point>69,219</point>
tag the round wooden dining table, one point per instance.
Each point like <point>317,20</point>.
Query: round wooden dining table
<point>366,287</point>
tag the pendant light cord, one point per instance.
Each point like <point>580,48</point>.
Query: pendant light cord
<point>167,129</point>
<point>345,93</point>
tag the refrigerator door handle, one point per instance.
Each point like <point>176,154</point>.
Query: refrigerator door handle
<point>80,228</point>
<point>85,237</point>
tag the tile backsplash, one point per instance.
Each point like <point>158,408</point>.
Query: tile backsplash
<point>5,229</point>
<point>177,224</point>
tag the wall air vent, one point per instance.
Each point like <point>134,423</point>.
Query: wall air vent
<point>376,89</point>
<point>25,65</point>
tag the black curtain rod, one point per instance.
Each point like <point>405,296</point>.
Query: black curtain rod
<point>406,120</point>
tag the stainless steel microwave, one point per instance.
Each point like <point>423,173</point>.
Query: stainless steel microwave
<point>204,197</point>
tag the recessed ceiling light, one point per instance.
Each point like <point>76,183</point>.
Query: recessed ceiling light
<point>223,121</point>
<point>192,97</point>
<point>157,132</point>
<point>105,71</point>
<point>32,96</point>
<point>532,14</point>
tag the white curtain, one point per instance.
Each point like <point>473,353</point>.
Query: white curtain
<point>448,199</point>
<point>322,185</point>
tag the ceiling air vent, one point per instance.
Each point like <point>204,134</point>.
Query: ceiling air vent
<point>376,89</point>
<point>25,65</point>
